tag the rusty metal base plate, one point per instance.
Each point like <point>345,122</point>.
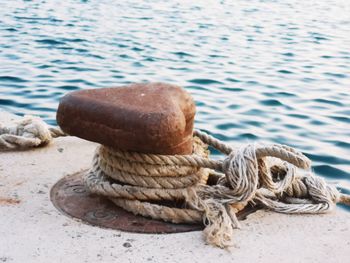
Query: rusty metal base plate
<point>70,196</point>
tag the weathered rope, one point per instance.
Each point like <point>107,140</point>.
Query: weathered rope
<point>150,185</point>
<point>138,182</point>
<point>129,178</point>
<point>27,133</point>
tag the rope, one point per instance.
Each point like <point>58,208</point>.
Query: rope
<point>127,185</point>
<point>140,182</point>
<point>28,133</point>
<point>175,188</point>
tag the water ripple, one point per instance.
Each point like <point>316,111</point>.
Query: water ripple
<point>266,71</point>
<point>204,81</point>
<point>11,79</point>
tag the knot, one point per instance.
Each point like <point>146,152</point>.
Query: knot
<point>29,132</point>
<point>246,170</point>
<point>33,127</point>
<point>320,192</point>
<point>303,194</point>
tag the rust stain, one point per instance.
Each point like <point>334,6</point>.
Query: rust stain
<point>9,201</point>
<point>19,183</point>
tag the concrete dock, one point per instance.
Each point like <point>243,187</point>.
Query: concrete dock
<point>33,230</point>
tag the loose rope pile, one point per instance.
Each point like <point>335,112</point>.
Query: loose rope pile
<point>174,187</point>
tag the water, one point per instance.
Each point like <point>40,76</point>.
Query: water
<point>267,71</point>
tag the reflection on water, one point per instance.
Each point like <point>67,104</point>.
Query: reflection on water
<point>269,71</point>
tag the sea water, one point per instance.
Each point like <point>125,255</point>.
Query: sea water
<point>259,71</point>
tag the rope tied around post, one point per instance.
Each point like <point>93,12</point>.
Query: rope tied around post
<point>147,184</point>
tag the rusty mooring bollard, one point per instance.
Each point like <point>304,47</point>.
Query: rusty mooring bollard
<point>154,118</point>
<point>148,118</point>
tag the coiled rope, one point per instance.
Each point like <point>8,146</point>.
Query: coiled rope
<point>149,184</point>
